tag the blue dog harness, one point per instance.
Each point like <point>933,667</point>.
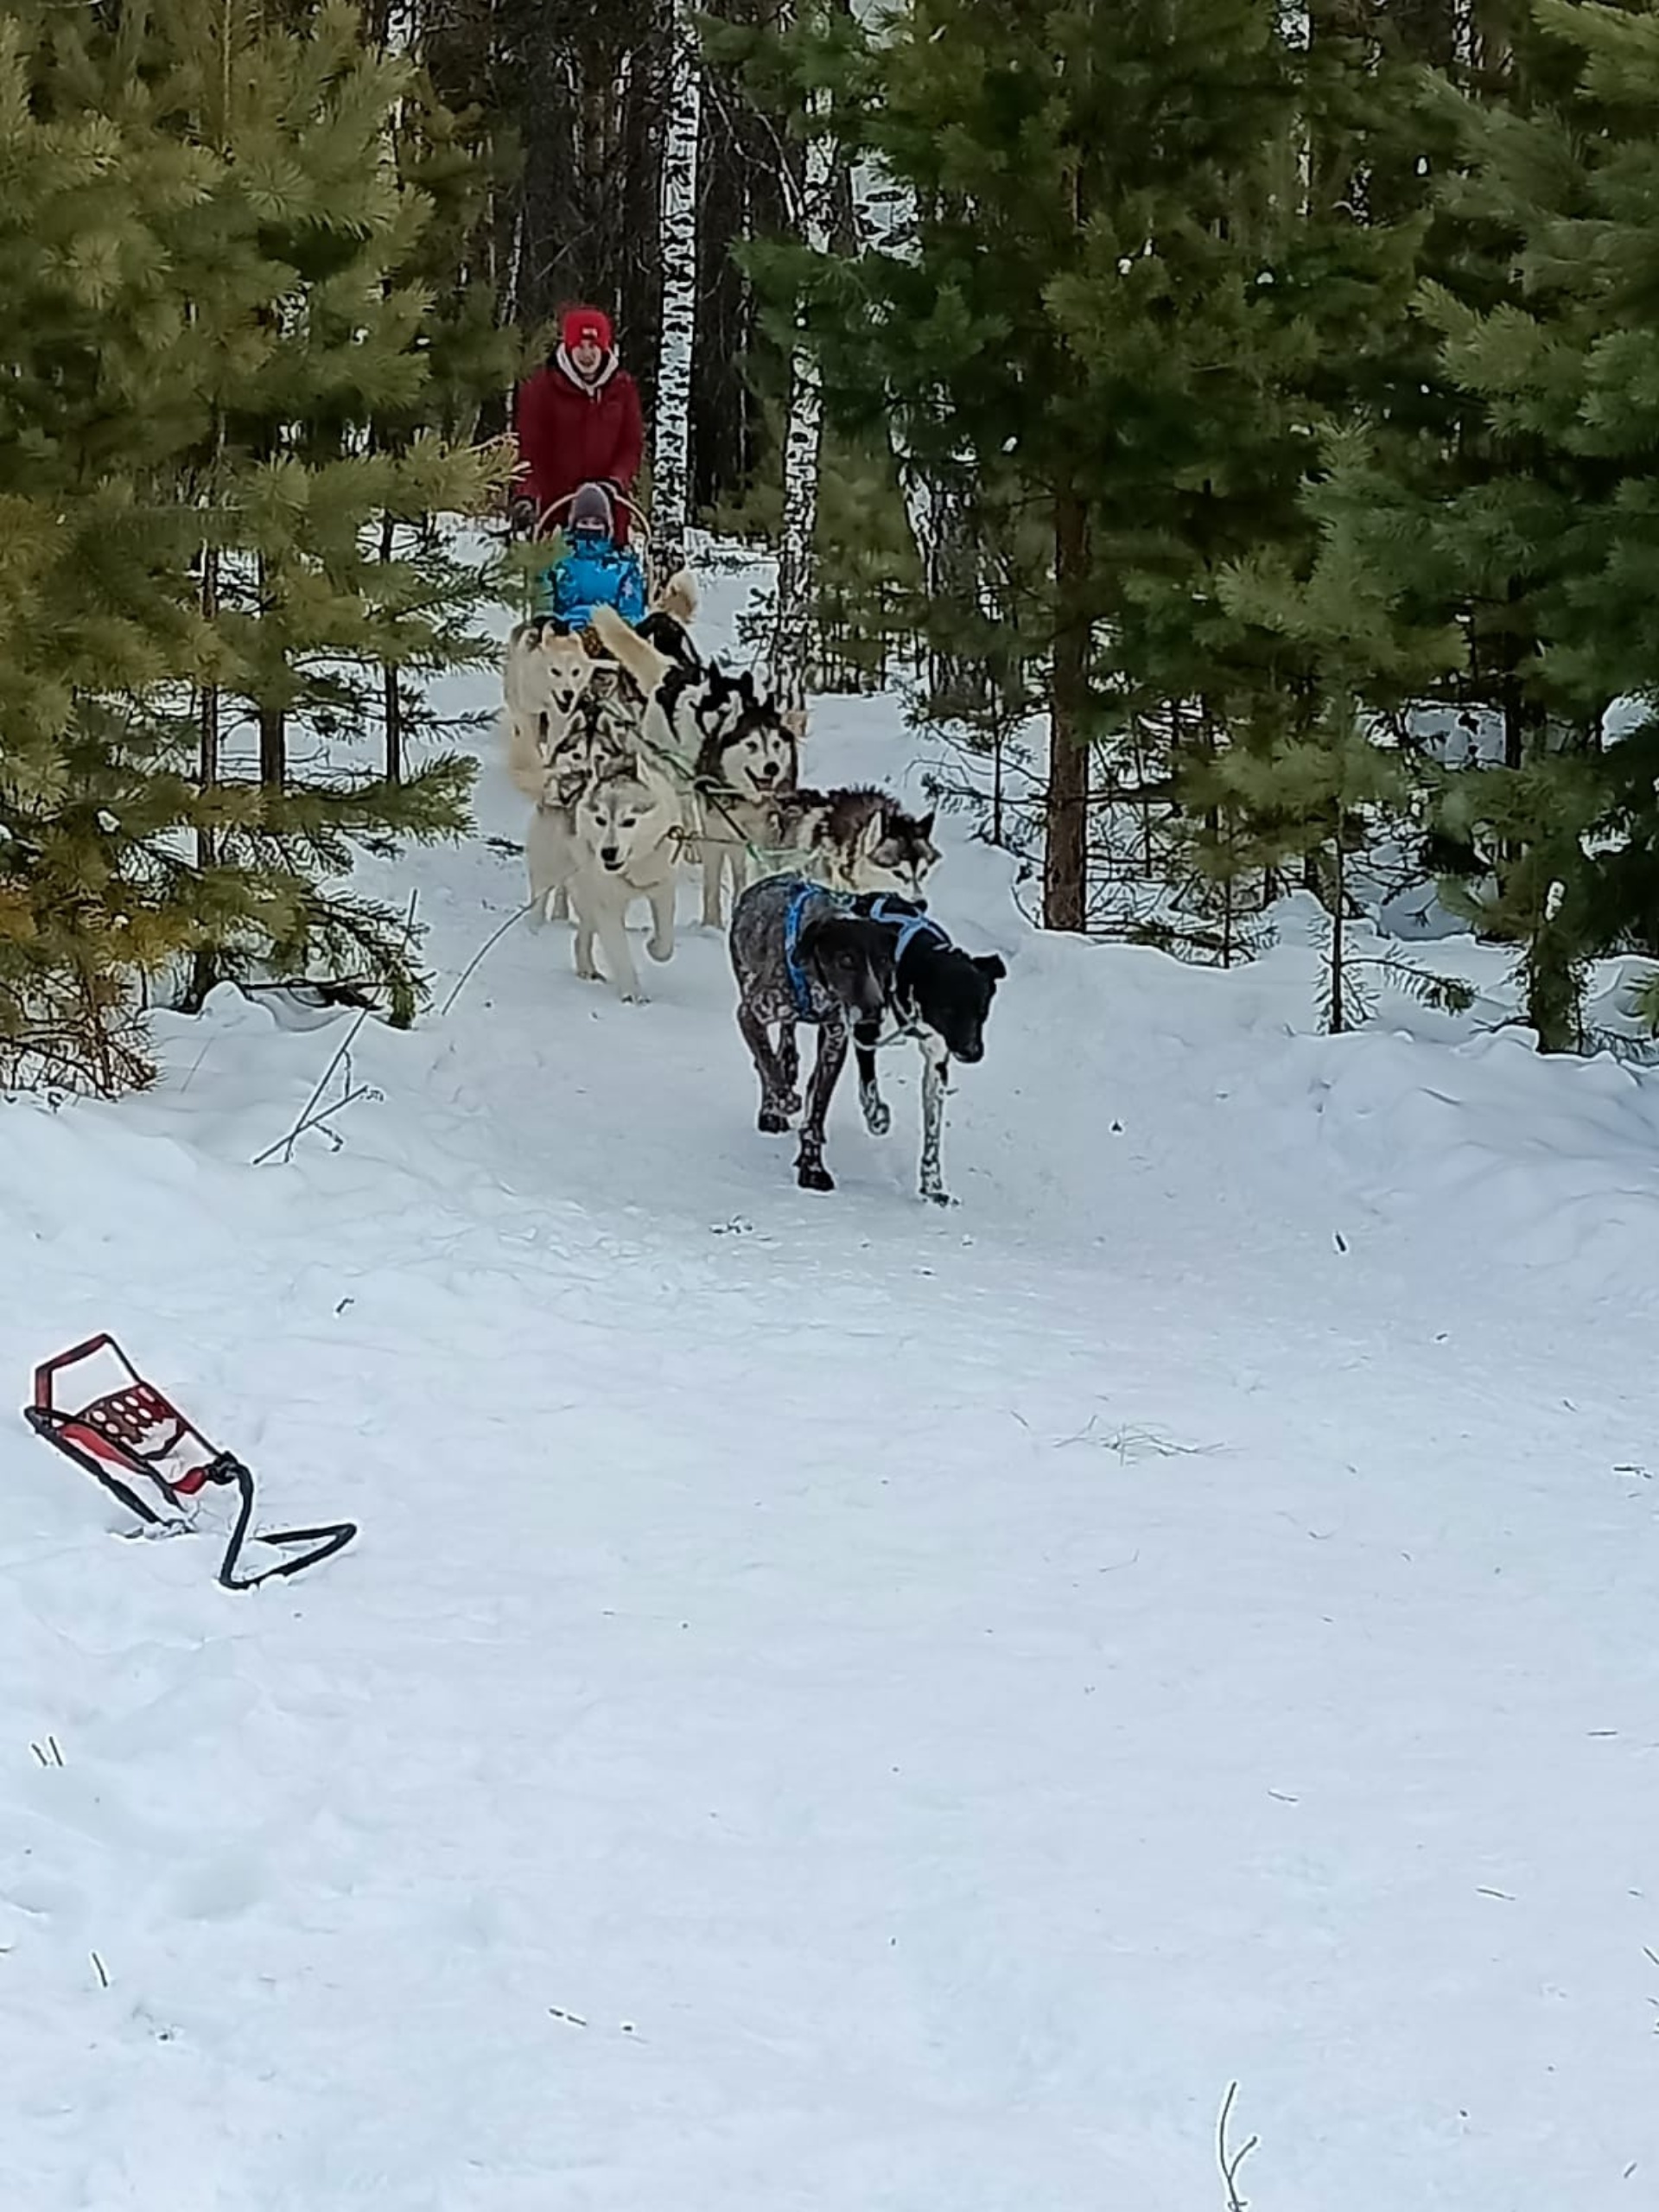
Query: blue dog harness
<point>794,916</point>
<point>910,926</point>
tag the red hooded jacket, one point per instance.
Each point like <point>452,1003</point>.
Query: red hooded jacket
<point>570,434</point>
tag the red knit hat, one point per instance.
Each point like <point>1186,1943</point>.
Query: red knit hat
<point>586,322</point>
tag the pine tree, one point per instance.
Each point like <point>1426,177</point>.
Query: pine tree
<point>315,363</point>
<point>1507,517</point>
<point>1096,318</point>
<point>197,339</point>
<point>1563,369</point>
<point>96,618</point>
<point>430,585</point>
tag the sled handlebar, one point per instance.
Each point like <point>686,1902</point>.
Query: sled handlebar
<point>551,511</point>
<point>103,1342</point>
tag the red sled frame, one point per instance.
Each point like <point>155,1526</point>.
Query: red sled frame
<point>132,1433</point>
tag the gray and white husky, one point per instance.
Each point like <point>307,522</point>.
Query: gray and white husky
<point>618,839</point>
<point>857,839</point>
<point>600,733</point>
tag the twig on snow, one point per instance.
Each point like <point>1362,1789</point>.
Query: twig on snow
<point>1131,1442</point>
<point>315,1117</point>
<point>465,976</point>
<point>312,1116</point>
<point>1230,2161</point>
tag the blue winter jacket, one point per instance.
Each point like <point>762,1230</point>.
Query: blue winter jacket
<point>595,572</point>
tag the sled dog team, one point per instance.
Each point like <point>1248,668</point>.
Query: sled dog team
<point>655,759</point>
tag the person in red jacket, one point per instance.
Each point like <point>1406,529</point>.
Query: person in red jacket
<point>579,420</point>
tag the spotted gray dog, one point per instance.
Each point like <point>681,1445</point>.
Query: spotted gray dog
<point>800,956</point>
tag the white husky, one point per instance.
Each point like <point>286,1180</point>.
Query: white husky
<point>544,677</point>
<point>618,841</point>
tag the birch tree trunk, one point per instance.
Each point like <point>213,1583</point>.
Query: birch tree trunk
<point>671,457</point>
<point>790,656</point>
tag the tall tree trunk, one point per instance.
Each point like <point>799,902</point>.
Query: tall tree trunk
<point>390,688</point>
<point>1339,942</point>
<point>1065,850</point>
<point>671,460</point>
<point>273,723</point>
<point>204,971</point>
<point>790,656</point>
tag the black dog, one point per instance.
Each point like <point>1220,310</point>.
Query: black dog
<point>941,997</point>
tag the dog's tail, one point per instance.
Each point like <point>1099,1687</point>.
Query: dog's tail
<point>525,765</point>
<point>679,597</point>
<point>638,655</point>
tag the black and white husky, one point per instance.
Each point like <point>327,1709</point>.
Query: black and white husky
<point>879,969</point>
<point>688,700</point>
<point>742,777</point>
<point>742,755</point>
<point>729,741</point>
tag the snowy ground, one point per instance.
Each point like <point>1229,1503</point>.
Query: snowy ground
<point>839,1707</point>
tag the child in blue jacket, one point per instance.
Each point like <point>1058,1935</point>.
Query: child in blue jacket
<point>593,571</point>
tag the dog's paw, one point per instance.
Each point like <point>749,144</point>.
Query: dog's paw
<point>940,1198</point>
<point>878,1120</point>
<point>660,953</point>
<point>635,997</point>
<point>811,1177</point>
<point>772,1122</point>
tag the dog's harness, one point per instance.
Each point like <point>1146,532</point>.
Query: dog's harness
<point>910,926</point>
<point>794,915</point>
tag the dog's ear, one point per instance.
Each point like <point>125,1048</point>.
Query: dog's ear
<point>925,824</point>
<point>990,964</point>
<point>553,633</point>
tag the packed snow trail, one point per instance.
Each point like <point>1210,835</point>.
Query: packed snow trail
<point>838,1704</point>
